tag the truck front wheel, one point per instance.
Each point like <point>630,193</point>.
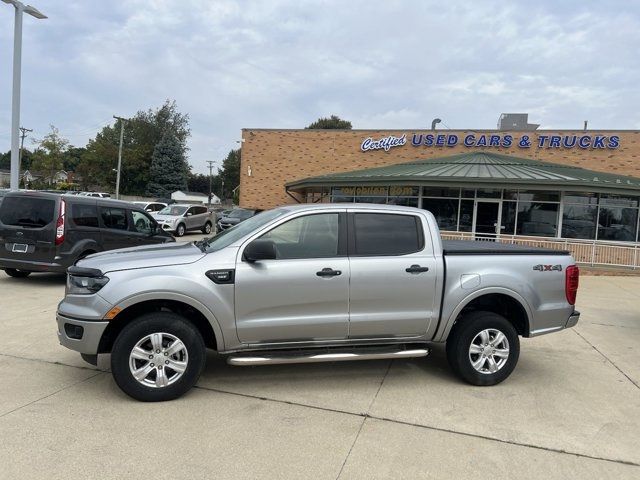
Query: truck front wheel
<point>157,357</point>
<point>483,348</point>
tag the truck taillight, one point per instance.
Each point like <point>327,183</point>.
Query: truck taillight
<point>60,223</point>
<point>572,277</point>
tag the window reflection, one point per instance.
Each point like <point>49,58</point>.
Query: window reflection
<point>445,210</point>
<point>617,223</point>
<point>537,219</point>
<point>579,221</point>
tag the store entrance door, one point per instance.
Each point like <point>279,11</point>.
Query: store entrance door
<point>487,217</point>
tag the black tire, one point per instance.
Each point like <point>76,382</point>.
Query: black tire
<point>207,228</point>
<point>180,230</point>
<point>15,273</point>
<point>138,329</point>
<point>460,357</point>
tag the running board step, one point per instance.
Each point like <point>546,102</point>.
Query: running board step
<point>276,358</point>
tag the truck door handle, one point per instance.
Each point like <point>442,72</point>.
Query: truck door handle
<point>416,269</point>
<point>328,272</point>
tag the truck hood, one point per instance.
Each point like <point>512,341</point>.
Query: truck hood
<point>143,257</point>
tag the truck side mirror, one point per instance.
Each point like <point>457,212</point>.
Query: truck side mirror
<point>260,249</point>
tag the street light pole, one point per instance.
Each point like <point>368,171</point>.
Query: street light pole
<point>119,156</point>
<point>15,100</point>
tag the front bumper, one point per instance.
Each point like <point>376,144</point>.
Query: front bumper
<point>86,340</point>
<point>168,227</point>
<point>572,320</point>
<point>32,266</point>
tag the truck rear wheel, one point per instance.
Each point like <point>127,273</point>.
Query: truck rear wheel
<point>14,272</point>
<point>483,348</point>
<point>157,357</point>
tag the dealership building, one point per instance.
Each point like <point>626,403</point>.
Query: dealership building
<point>572,189</point>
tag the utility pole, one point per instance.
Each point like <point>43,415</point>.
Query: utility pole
<point>122,120</point>
<point>210,162</point>
<point>24,134</point>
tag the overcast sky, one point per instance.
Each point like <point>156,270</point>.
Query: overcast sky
<point>283,63</point>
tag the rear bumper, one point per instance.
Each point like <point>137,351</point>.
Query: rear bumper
<point>572,320</point>
<point>32,266</point>
<point>88,341</point>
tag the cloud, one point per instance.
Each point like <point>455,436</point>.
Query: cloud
<point>284,63</point>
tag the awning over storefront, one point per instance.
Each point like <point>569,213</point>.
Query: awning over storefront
<point>479,168</point>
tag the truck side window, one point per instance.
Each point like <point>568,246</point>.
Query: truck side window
<point>114,218</point>
<point>386,234</point>
<point>311,236</point>
<point>84,215</point>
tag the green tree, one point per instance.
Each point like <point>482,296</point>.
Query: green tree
<point>141,135</point>
<point>71,158</point>
<point>49,157</point>
<point>169,168</point>
<point>25,164</point>
<point>229,174</point>
<point>333,122</point>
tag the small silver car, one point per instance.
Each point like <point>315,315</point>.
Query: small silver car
<point>180,219</point>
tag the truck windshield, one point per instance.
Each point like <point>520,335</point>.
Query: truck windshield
<point>234,234</point>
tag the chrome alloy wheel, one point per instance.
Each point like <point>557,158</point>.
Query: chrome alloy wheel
<point>489,351</point>
<point>158,360</point>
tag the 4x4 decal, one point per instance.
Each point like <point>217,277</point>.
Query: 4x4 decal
<point>548,268</point>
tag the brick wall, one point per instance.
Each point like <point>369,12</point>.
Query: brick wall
<point>276,157</point>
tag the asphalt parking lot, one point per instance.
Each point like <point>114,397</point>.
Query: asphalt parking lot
<point>571,409</point>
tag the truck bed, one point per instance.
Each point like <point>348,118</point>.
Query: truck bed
<point>470,247</point>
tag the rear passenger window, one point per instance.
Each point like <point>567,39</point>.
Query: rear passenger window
<point>84,215</point>
<point>386,234</point>
<point>27,212</point>
<point>114,218</point>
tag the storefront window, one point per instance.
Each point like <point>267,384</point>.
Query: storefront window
<point>468,193</point>
<point>508,222</point>
<point>401,195</point>
<point>466,216</point>
<point>617,223</point>
<point>405,201</point>
<point>619,200</point>
<point>440,192</point>
<point>511,195</point>
<point>445,210</point>
<point>581,198</point>
<point>537,219</point>
<point>538,196</point>
<point>371,199</point>
<point>340,199</point>
<point>579,221</point>
<point>488,193</point>
<point>402,191</point>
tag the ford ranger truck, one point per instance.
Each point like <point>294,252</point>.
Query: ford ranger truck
<point>314,283</point>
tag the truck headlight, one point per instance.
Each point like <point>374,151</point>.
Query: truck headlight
<point>77,285</point>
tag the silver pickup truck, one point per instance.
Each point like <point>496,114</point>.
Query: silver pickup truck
<point>312,283</point>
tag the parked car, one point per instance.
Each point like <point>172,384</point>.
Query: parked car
<point>150,207</point>
<point>312,283</point>
<point>234,217</point>
<point>95,194</point>
<point>45,232</point>
<point>180,219</point>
